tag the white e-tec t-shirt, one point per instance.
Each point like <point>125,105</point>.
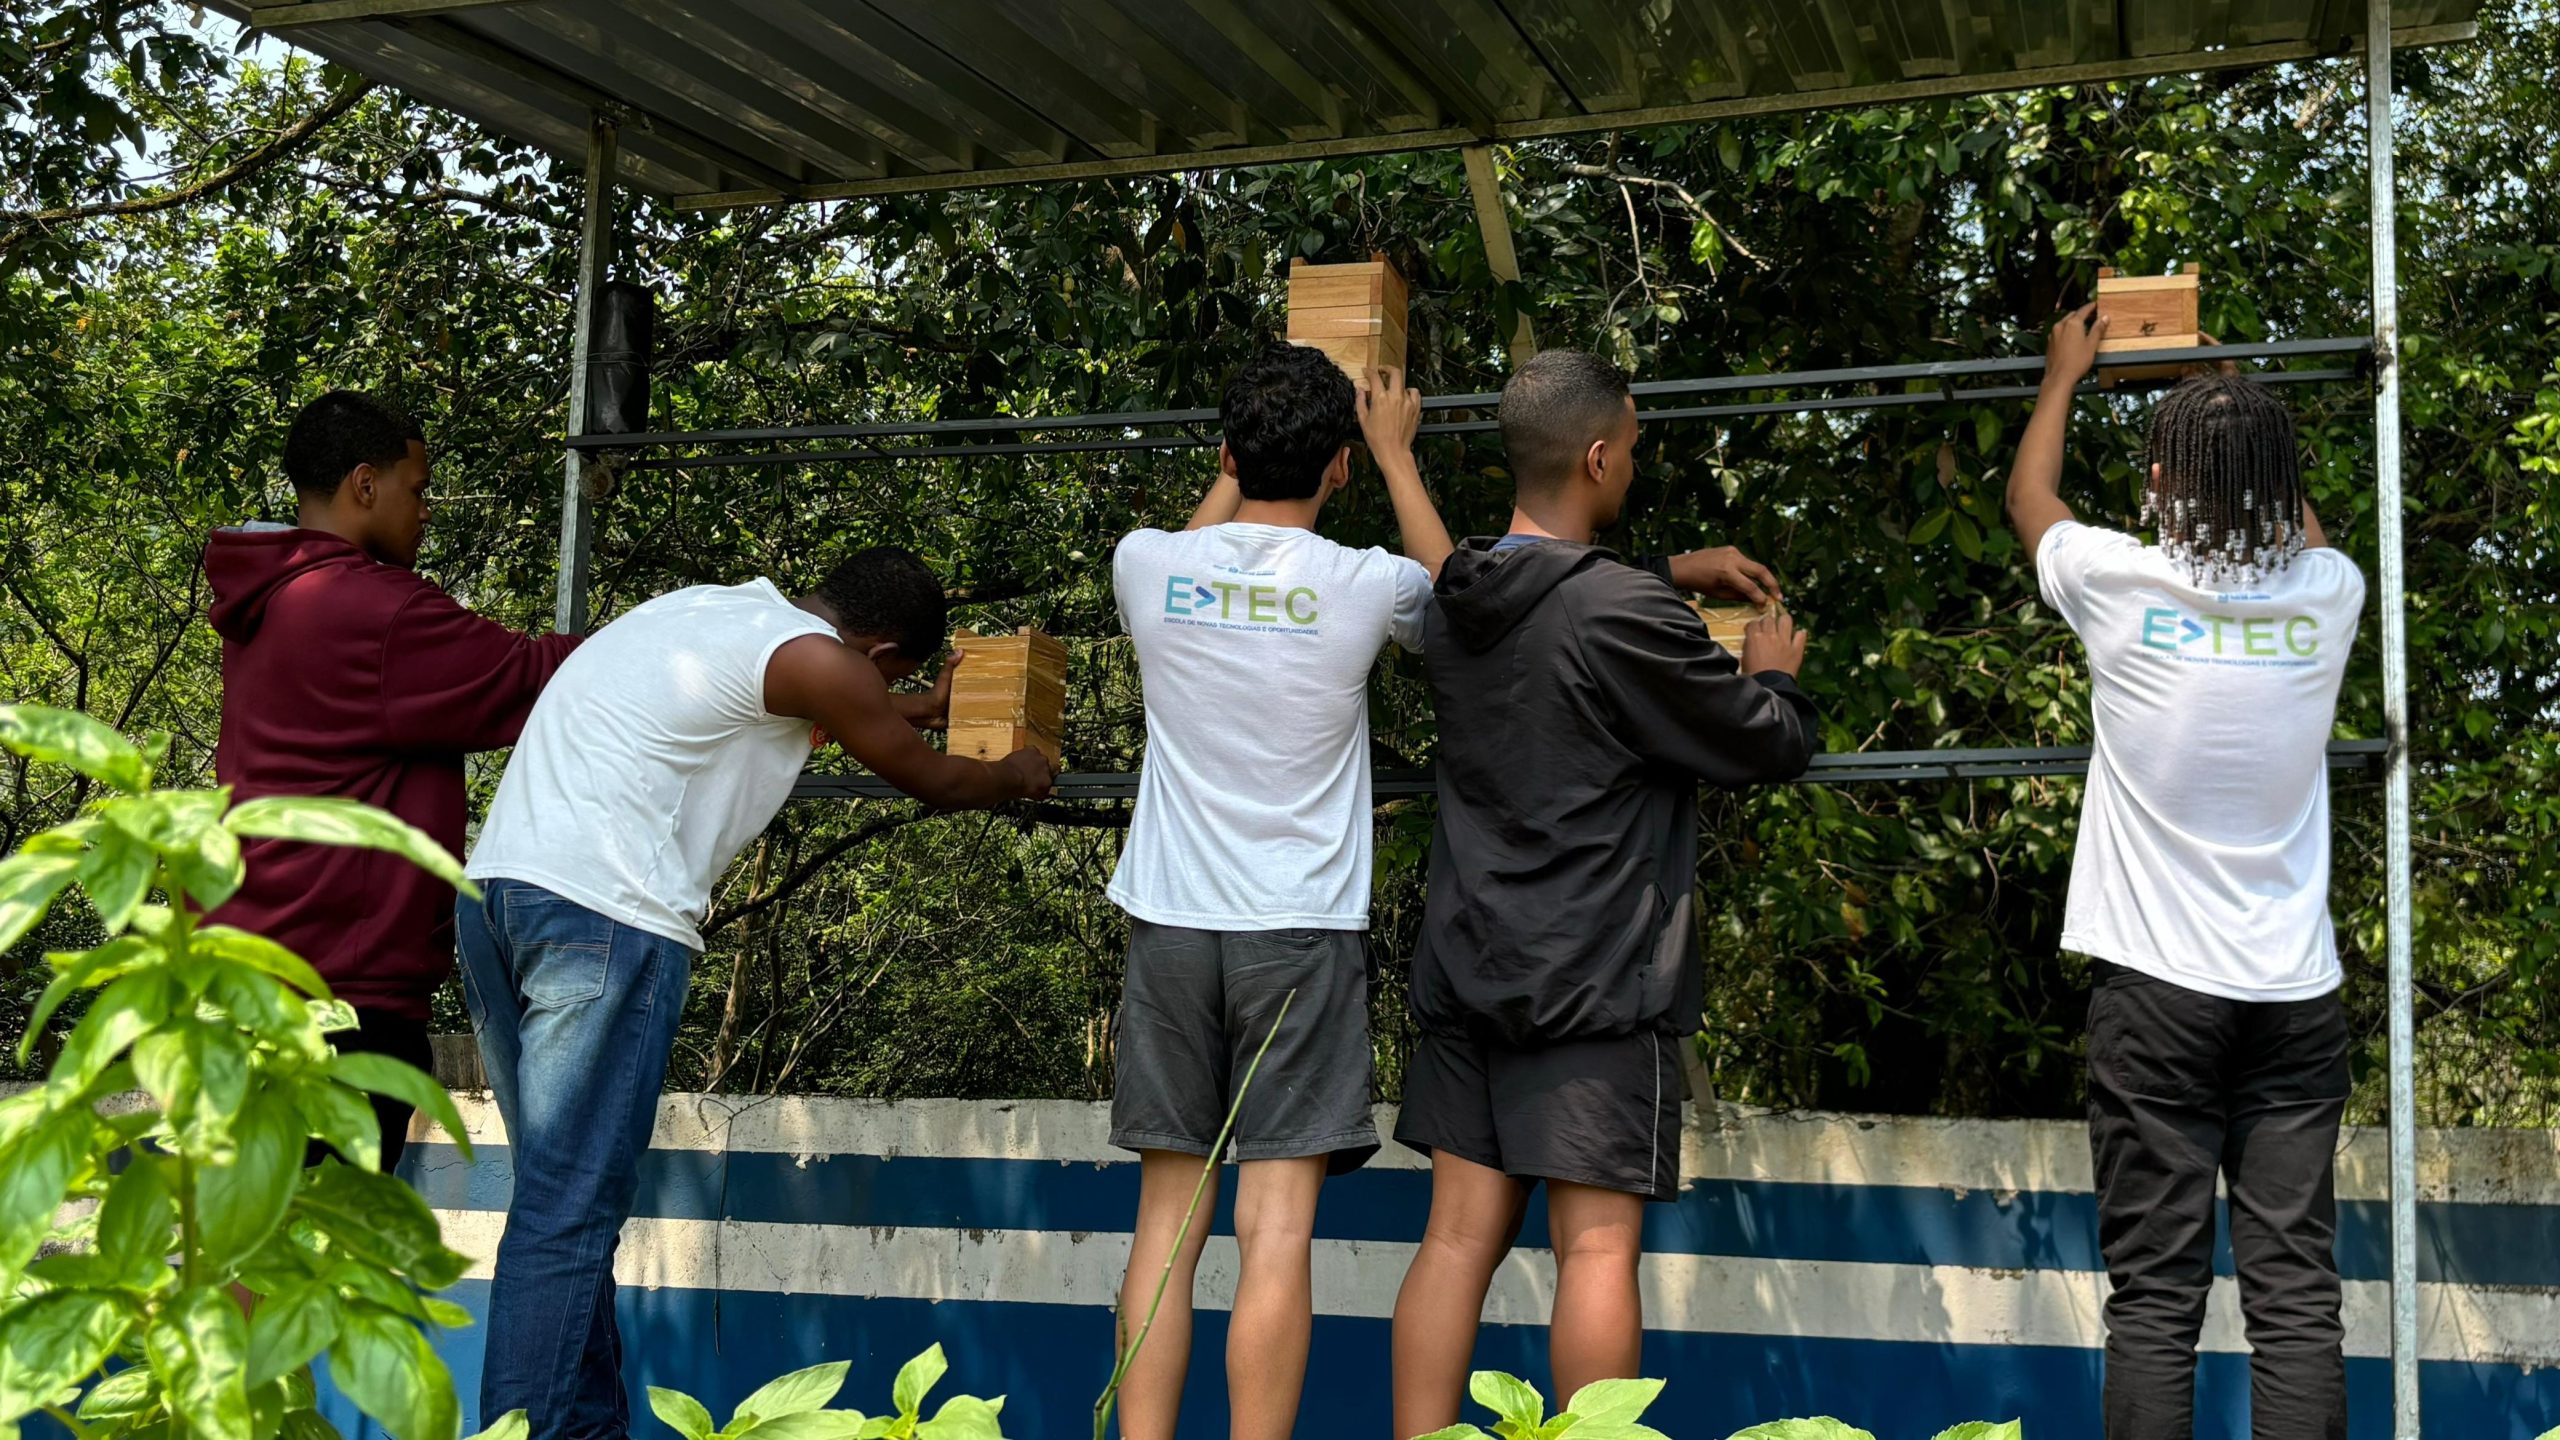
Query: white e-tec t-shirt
<point>650,761</point>
<point>2203,857</point>
<point>1254,646</point>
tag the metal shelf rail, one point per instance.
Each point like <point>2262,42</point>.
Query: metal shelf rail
<point>1925,383</point>
<point>1897,767</point>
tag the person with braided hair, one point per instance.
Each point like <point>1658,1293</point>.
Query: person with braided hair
<point>2218,1049</point>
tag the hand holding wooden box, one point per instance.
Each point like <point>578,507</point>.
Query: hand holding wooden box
<point>1354,313</point>
<point>1010,692</point>
<point>1725,622</point>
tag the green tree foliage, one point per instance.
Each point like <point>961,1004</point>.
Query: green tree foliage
<point>1873,948</point>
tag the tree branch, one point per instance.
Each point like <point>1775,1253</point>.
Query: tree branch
<point>287,141</point>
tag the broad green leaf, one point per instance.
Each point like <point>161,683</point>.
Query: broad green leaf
<point>916,1380</point>
<point>385,1365</point>
<point>510,1426</point>
<point>35,1173</point>
<point>116,875</point>
<point>1508,1396</point>
<point>288,1328</point>
<point>1968,537</point>
<point>28,884</point>
<point>67,737</point>
<point>239,1204</point>
<point>262,1003</point>
<point>964,1417</point>
<point>372,1216</point>
<point>52,1342</point>
<point>327,820</point>
<point>798,1392</point>
<point>310,1425</point>
<point>260,953</point>
<point>812,1425</point>
<point>130,1391</point>
<point>199,1072</point>
<point>1612,1402</point>
<point>342,1117</point>
<point>404,1082</point>
<point>445,1313</point>
<point>1984,1430</point>
<point>170,821</point>
<point>121,1014</point>
<point>137,1222</point>
<point>681,1412</point>
<point>1456,1432</point>
<point>1930,524</point>
<point>199,1348</point>
<point>73,973</point>
<point>1821,1427</point>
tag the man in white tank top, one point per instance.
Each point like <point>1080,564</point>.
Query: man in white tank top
<point>2200,889</point>
<point>660,749</point>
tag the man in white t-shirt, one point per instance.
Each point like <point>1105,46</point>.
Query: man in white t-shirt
<point>660,749</point>
<point>1246,871</point>
<point>2200,889</point>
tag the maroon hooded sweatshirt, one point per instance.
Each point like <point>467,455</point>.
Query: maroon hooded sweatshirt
<point>344,676</point>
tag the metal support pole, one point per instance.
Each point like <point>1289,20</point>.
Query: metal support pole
<point>1494,222</point>
<point>2395,725</point>
<point>580,485</point>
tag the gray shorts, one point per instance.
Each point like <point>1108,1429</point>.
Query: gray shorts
<point>1195,1008</point>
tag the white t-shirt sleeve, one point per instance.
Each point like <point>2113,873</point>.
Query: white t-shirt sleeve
<point>1129,568</point>
<point>1412,601</point>
<point>2069,558</point>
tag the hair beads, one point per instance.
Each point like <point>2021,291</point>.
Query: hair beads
<point>2226,493</point>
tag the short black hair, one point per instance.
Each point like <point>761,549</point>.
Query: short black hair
<point>1287,412</point>
<point>1556,404</point>
<point>888,594</point>
<point>340,431</point>
<point>2228,497</point>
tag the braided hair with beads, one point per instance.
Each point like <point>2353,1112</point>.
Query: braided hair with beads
<point>2225,480</point>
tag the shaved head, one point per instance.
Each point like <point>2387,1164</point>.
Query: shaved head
<point>1557,406</point>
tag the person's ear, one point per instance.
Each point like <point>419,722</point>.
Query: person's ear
<point>1338,474</point>
<point>882,653</point>
<point>1595,463</point>
<point>1226,460</point>
<point>362,482</point>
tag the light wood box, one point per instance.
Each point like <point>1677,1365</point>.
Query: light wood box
<point>1725,622</point>
<point>1011,692</point>
<point>2146,312</point>
<point>1354,313</point>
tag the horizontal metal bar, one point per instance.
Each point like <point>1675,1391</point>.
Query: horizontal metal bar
<point>1448,427</point>
<point>1894,767</point>
<point>1941,371</point>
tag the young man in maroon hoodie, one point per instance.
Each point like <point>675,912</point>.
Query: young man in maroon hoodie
<point>344,673</point>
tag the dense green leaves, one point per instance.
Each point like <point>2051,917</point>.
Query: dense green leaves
<point>198,1347</point>
<point>68,737</point>
<point>384,1364</point>
<point>48,1343</point>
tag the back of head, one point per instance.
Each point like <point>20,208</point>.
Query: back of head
<point>2225,480</point>
<point>340,431</point>
<point>886,593</point>
<point>1287,412</point>
<point>1556,406</point>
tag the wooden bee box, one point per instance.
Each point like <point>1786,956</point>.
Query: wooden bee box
<point>1009,693</point>
<point>2146,312</point>
<point>1353,313</point>
<point>1725,622</point>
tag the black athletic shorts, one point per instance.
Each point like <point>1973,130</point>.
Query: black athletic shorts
<point>1196,1006</point>
<point>1603,1113</point>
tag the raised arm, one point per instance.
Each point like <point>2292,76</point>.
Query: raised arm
<point>1219,505</point>
<point>1390,416</point>
<point>2035,477</point>
<point>829,683</point>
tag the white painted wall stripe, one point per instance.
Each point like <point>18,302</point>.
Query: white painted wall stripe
<point>1925,1304</point>
<point>2003,1156</point>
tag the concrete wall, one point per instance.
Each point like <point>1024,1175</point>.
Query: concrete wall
<point>1902,1274</point>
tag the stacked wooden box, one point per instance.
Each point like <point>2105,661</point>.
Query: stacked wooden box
<point>1354,313</point>
<point>1010,692</point>
<point>2146,312</point>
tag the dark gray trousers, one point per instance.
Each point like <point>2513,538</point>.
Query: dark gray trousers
<point>2185,1087</point>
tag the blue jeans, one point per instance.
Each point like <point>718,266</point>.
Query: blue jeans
<point>575,1015</point>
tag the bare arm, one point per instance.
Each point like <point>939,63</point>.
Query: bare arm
<point>1390,415</point>
<point>2035,478</point>
<point>932,709</point>
<point>822,680</point>
<point>2313,537</point>
<point>1219,505</point>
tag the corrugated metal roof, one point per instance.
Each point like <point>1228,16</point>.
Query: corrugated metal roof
<point>737,101</point>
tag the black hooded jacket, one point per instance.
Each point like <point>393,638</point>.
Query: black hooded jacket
<point>1580,702</point>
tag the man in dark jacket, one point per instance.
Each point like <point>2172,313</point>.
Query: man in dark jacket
<point>1580,702</point>
<point>344,673</point>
